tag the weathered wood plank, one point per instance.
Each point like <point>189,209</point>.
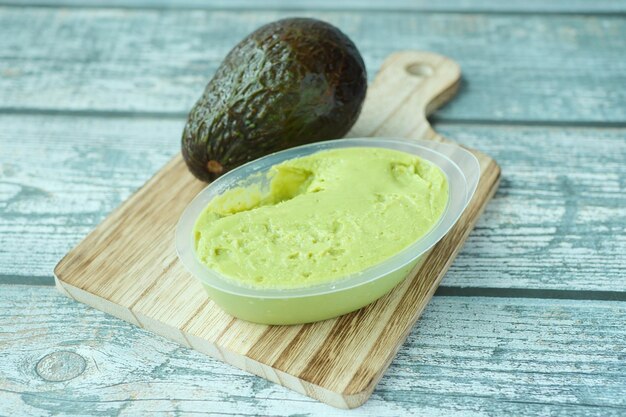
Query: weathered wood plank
<point>59,179</point>
<point>558,220</point>
<point>559,217</point>
<point>517,6</point>
<point>468,355</point>
<point>516,67</point>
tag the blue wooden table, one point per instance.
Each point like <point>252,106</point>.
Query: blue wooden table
<point>529,320</point>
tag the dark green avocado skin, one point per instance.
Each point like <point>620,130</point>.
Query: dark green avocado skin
<point>290,82</point>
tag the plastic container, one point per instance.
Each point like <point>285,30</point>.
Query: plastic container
<point>331,299</point>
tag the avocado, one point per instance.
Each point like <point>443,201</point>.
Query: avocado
<point>290,82</point>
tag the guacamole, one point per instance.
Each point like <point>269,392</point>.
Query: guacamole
<point>323,217</point>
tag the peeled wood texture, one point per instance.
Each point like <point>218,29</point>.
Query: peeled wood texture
<point>557,220</point>
<point>471,356</point>
<point>486,356</point>
<point>128,265</point>
<point>518,67</point>
<point>566,6</point>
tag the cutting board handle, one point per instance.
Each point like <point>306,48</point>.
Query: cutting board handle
<point>409,86</point>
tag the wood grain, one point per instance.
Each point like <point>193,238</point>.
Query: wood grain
<point>487,356</point>
<point>556,222</point>
<point>128,265</point>
<point>108,61</point>
<point>483,6</point>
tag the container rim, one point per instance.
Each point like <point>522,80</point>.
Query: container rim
<point>458,164</point>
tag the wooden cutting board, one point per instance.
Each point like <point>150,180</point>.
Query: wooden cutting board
<point>128,265</point>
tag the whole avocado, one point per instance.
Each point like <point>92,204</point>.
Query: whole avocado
<point>290,82</point>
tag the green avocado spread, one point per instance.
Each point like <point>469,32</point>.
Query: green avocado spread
<point>325,216</point>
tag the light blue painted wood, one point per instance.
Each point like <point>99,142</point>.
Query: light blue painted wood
<point>516,67</point>
<point>558,220</point>
<point>489,6</point>
<point>467,356</point>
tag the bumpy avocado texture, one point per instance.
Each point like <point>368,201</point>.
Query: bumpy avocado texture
<point>290,82</point>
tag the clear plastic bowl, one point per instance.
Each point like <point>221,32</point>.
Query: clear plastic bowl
<point>331,299</point>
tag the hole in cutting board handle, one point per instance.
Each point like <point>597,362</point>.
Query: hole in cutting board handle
<point>419,69</point>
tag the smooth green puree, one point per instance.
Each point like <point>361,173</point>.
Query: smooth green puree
<point>325,216</point>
